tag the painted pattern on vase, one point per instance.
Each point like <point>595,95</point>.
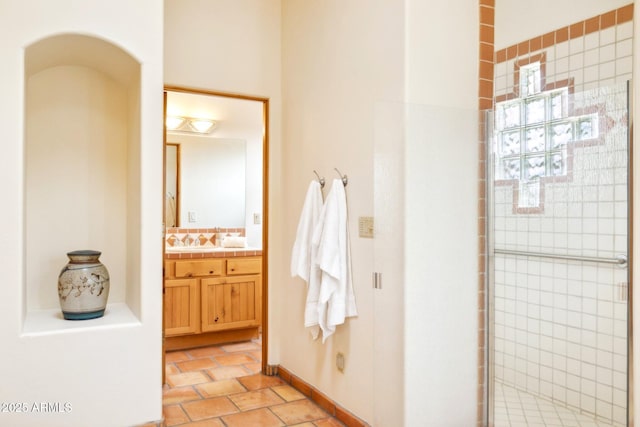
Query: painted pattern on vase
<point>83,286</point>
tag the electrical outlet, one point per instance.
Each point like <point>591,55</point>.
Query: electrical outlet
<point>193,217</point>
<point>340,362</point>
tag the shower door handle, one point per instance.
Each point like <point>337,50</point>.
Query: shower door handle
<point>377,280</point>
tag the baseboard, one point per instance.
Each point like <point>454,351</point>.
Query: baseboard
<point>322,400</point>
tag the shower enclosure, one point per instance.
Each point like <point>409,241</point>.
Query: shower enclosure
<point>558,249</point>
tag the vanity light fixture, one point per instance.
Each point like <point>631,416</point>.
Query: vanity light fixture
<point>190,124</point>
<point>174,122</point>
<point>202,125</point>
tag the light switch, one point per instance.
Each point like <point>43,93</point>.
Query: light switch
<point>192,217</point>
<point>365,226</point>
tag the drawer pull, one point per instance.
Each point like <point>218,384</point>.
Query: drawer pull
<point>211,272</point>
<point>216,319</point>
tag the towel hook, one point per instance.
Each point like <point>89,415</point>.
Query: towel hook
<point>320,179</point>
<point>345,179</point>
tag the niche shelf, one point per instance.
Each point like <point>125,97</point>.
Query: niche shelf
<point>82,174</point>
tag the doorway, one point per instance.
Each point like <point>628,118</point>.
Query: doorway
<point>217,202</point>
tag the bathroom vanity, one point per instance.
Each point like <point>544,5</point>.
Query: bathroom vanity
<point>211,297</point>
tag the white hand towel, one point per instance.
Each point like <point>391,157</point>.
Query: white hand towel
<point>336,299</point>
<point>302,257</point>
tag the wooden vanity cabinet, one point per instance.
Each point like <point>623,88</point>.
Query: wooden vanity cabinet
<point>208,301</point>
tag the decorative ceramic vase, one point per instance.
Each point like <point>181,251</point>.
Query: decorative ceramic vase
<point>83,286</point>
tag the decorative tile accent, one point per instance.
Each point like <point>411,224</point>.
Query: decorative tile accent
<point>568,120</point>
<point>200,236</point>
<point>204,237</point>
<point>217,254</point>
<point>579,29</point>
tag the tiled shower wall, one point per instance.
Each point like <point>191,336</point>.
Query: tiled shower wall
<point>560,327</point>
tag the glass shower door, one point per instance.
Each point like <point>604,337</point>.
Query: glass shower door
<point>558,273</point>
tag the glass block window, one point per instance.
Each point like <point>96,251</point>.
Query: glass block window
<point>533,132</point>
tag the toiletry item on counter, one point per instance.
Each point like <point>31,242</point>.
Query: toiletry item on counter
<point>234,242</point>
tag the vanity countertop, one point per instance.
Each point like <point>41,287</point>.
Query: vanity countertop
<point>210,252</point>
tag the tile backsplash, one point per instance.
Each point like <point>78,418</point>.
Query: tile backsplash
<point>199,236</point>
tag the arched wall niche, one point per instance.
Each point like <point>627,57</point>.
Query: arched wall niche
<point>82,172</point>
<point>82,50</point>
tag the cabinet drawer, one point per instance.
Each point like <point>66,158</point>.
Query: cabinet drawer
<point>209,267</point>
<point>244,266</point>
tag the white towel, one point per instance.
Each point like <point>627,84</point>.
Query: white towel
<point>336,301</point>
<point>302,257</point>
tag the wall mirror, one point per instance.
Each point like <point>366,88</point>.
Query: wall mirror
<point>172,182</point>
<point>214,177</point>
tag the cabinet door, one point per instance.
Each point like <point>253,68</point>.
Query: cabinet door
<point>181,307</point>
<point>231,302</point>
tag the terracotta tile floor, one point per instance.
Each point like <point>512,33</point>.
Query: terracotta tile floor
<point>221,386</point>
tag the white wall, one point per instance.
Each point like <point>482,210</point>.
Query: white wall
<point>342,64</point>
<point>62,168</point>
<point>438,147</point>
<point>441,210</point>
<point>120,362</point>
